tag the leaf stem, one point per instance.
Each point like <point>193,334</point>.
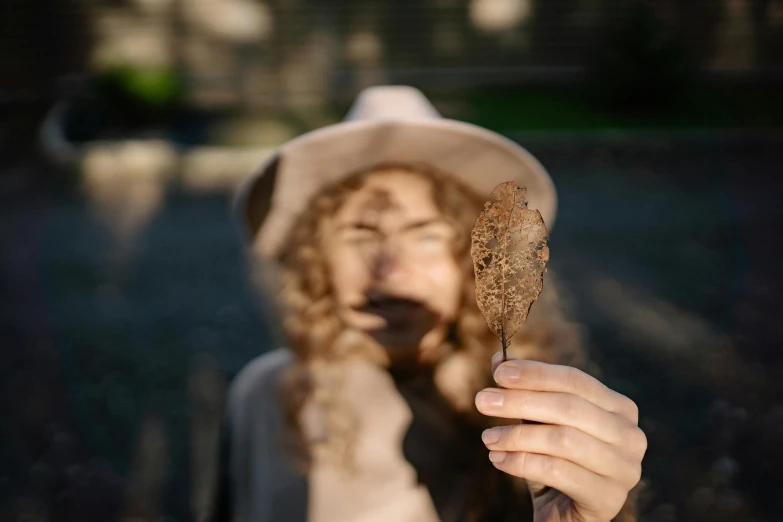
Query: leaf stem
<point>503,340</point>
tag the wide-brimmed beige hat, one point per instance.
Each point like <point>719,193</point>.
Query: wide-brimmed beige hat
<point>385,124</point>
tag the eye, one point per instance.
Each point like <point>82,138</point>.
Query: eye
<point>432,236</point>
<point>360,237</point>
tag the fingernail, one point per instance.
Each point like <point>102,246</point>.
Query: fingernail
<point>489,399</point>
<point>507,372</point>
<point>491,435</point>
<point>497,456</point>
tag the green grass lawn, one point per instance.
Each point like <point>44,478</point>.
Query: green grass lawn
<point>576,108</point>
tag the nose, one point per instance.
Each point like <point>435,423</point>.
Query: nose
<point>385,265</point>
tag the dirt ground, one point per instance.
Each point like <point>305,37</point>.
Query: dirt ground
<point>670,252</point>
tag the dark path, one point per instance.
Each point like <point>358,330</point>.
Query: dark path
<point>671,254</point>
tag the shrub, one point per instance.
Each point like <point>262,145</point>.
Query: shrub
<point>638,64</point>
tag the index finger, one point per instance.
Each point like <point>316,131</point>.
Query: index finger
<point>538,376</point>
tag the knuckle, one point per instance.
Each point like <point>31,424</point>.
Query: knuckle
<point>517,436</point>
<point>641,442</point>
<point>625,432</point>
<point>522,462</point>
<point>636,473</point>
<point>569,406</point>
<point>575,378</point>
<point>552,467</point>
<point>616,497</point>
<point>563,438</point>
<point>633,409</point>
<point>636,440</point>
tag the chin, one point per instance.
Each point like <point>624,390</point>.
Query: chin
<point>395,341</point>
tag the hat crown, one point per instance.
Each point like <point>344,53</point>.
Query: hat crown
<point>391,102</point>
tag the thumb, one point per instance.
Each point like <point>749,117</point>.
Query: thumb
<point>497,360</point>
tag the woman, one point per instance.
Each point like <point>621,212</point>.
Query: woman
<point>382,405</point>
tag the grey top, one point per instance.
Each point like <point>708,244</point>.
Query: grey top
<point>258,483</point>
<point>420,462</point>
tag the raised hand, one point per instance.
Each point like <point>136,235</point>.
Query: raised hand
<point>584,457</point>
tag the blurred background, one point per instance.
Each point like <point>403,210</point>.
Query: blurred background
<point>125,306</point>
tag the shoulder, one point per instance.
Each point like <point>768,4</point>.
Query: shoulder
<point>258,381</point>
<point>259,473</point>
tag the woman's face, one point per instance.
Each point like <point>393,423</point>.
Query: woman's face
<point>391,262</point>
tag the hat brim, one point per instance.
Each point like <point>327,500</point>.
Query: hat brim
<point>271,199</point>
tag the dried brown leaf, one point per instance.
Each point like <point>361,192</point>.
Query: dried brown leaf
<point>510,254</point>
